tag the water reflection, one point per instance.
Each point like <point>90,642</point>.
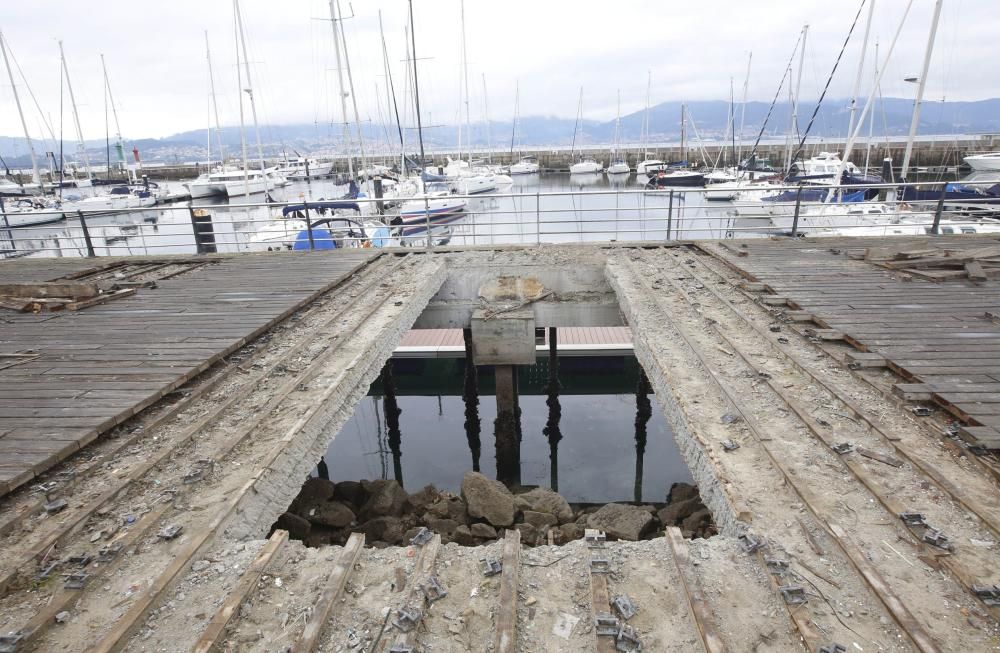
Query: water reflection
<point>602,405</point>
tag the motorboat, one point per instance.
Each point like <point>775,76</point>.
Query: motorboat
<point>618,167</point>
<point>333,232</point>
<point>234,182</point>
<point>434,206</point>
<point>118,198</point>
<point>988,161</point>
<point>650,167</point>
<point>914,228</point>
<point>474,184</point>
<point>30,212</point>
<point>681,178</point>
<point>585,166</point>
<point>839,216</point>
<point>305,168</point>
<point>528,165</point>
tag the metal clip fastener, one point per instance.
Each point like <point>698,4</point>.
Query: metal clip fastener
<point>407,619</point>
<point>623,606</point>
<point>749,543</point>
<point>833,648</point>
<point>921,411</point>
<point>988,594</point>
<point>776,566</point>
<point>80,559</point>
<point>730,445</point>
<point>936,538</point>
<point>9,642</point>
<point>606,624</point>
<point>76,581</point>
<point>793,594</point>
<point>170,532</point>
<point>110,552</point>
<point>913,519</point>
<point>46,571</point>
<point>843,448</point>
<point>53,507</point>
<point>401,648</point>
<point>491,567</point>
<point>600,566</point>
<point>594,538</point>
<point>627,641</point>
<point>433,590</point>
<point>422,537</point>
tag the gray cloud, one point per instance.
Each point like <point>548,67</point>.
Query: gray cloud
<point>156,56</point>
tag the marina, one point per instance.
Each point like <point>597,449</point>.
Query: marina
<point>416,327</point>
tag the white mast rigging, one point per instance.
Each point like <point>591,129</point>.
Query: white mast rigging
<point>36,175</point>
<point>76,115</point>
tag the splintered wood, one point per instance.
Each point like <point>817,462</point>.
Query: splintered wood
<point>979,264</point>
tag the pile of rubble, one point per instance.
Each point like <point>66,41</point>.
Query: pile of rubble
<point>327,513</point>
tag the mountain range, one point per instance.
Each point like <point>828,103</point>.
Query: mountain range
<point>708,118</point>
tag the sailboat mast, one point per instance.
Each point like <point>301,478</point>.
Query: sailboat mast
<point>36,175</point>
<point>684,153</point>
<point>350,84</point>
<point>416,86</point>
<point>486,110</point>
<point>861,67</point>
<point>576,128</point>
<point>743,108</point>
<point>921,84</point>
<point>871,119</point>
<point>76,115</point>
<point>215,102</point>
<point>249,92</point>
<point>239,87</point>
<point>345,132</point>
<point>794,126</point>
<point>513,127</point>
<point>119,144</point>
<point>465,84</point>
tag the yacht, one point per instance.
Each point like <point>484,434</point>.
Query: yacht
<point>585,166</point>
<point>305,168</point>
<point>989,161</point>
<point>30,212</point>
<point>528,165</point>
<point>921,228</point>
<point>682,178</point>
<point>118,198</point>
<point>618,167</point>
<point>233,182</point>
<point>435,206</point>
<point>650,167</point>
<point>842,216</point>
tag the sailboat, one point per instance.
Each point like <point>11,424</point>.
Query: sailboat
<point>618,165</point>
<point>36,177</point>
<point>649,164</point>
<point>586,165</point>
<point>527,165</point>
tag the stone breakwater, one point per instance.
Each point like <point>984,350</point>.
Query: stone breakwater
<point>326,513</point>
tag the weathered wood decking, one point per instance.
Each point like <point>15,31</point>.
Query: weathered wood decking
<point>67,377</point>
<point>938,335</point>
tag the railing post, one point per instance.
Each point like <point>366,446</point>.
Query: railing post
<point>427,220</point>
<point>670,214</point>
<point>309,227</point>
<point>86,235</point>
<point>798,207</point>
<point>204,231</point>
<point>939,210</point>
<point>538,218</point>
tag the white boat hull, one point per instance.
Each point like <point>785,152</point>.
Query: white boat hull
<point>585,168</point>
<point>984,161</point>
<point>524,169</point>
<point>476,184</point>
<point>618,169</point>
<point>650,165</point>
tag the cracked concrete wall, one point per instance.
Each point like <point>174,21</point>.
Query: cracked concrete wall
<point>713,495</point>
<point>277,486</point>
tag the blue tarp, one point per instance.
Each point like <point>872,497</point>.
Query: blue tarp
<point>322,239</point>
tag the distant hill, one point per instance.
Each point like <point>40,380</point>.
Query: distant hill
<point>709,118</point>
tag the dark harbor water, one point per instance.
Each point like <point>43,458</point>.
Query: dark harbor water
<point>604,442</point>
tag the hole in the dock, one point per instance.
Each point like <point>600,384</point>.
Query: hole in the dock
<point>576,442</point>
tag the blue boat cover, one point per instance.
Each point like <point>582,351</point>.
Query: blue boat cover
<point>321,205</point>
<point>322,239</point>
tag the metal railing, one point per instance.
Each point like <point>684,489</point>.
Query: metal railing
<point>635,214</point>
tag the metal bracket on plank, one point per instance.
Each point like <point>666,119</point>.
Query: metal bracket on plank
<point>749,543</point>
<point>170,532</point>
<point>623,606</point>
<point>407,619</point>
<point>423,536</point>
<point>776,566</point>
<point>77,580</point>
<point>80,559</point>
<point>594,538</point>
<point>936,538</point>
<point>401,648</point>
<point>833,647</point>
<point>627,641</point>
<point>491,567</point>
<point>988,594</point>
<point>9,642</point>
<point>110,552</point>
<point>793,594</point>
<point>730,445</point>
<point>843,448</point>
<point>921,411</point>
<point>913,519</point>
<point>53,507</point>
<point>606,624</point>
<point>600,566</point>
<point>433,590</point>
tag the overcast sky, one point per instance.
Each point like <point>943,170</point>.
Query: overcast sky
<point>155,53</point>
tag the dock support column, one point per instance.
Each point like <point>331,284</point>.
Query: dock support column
<point>470,395</point>
<point>508,447</point>
<point>551,431</point>
<point>377,187</point>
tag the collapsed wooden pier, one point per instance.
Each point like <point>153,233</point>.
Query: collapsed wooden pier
<point>837,412</point>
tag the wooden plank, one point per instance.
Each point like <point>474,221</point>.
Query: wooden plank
<point>334,587</point>
<point>975,271</point>
<point>697,606</point>
<point>505,638</point>
<point>86,303</point>
<point>907,622</point>
<point>881,457</point>
<point>423,569</point>
<point>77,290</point>
<point>600,602</point>
<point>217,624</point>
